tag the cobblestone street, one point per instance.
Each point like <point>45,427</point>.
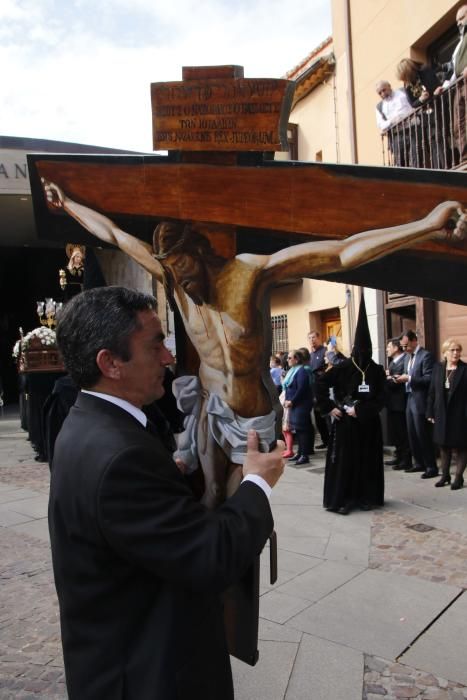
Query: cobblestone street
<point>370,606</point>
<point>31,664</point>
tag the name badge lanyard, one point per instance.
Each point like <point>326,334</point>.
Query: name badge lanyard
<point>363,387</point>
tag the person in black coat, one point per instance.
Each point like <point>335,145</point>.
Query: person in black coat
<point>318,366</point>
<point>396,402</point>
<point>299,400</point>
<point>447,410</point>
<point>139,564</point>
<point>55,410</point>
<point>354,475</point>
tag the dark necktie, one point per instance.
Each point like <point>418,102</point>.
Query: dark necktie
<point>163,432</point>
<point>410,365</point>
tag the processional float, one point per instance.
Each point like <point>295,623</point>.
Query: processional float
<point>219,223</point>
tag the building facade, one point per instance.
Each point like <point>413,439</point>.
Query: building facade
<point>333,120</point>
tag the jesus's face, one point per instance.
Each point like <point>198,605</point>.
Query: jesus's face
<point>189,273</point>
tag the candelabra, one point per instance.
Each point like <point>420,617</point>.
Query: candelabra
<point>47,311</point>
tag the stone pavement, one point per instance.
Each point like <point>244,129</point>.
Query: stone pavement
<point>369,605</point>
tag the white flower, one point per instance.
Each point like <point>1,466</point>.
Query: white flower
<point>45,335</point>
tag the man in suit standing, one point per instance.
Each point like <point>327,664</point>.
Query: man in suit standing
<point>418,366</point>
<point>396,400</point>
<point>139,564</point>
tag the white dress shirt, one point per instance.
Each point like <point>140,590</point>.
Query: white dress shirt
<point>394,107</point>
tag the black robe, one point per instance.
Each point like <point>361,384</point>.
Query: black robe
<point>74,283</point>
<point>354,465</point>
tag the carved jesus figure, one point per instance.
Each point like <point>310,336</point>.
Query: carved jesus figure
<point>224,307</point>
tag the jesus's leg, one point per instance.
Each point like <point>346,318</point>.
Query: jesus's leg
<point>214,463</point>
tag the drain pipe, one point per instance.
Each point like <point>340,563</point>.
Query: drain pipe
<point>353,140</point>
<point>351,89</point>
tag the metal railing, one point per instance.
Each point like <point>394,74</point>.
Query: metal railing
<point>432,136</point>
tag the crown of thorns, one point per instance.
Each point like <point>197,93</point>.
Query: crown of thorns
<point>175,247</point>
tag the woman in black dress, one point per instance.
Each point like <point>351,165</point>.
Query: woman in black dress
<point>447,410</point>
<point>72,277</point>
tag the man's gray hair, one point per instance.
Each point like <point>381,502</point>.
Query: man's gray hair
<point>382,83</point>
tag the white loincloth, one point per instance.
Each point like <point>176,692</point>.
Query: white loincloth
<point>228,429</point>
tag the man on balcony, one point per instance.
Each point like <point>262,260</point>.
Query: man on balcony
<point>459,65</point>
<point>392,108</point>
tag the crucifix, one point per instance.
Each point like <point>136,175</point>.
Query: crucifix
<point>230,223</point>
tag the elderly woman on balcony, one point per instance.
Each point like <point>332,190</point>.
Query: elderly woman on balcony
<point>420,84</point>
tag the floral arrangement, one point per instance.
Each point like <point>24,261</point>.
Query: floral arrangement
<point>45,335</point>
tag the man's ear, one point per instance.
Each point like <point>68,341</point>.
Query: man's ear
<point>108,364</point>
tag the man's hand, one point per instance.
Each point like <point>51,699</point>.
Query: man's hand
<point>451,220</point>
<point>350,410</point>
<point>54,195</point>
<point>181,465</point>
<point>337,413</point>
<point>402,378</point>
<point>268,465</point>
<point>439,90</point>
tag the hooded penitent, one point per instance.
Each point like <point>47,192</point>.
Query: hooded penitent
<point>362,349</point>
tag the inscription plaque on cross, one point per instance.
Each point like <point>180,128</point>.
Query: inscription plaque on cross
<point>231,224</point>
<point>217,109</point>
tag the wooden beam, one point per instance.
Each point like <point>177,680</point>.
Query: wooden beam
<point>327,201</point>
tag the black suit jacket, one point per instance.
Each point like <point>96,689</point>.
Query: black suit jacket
<point>396,398</point>
<point>420,378</point>
<point>139,564</point>
<point>427,77</point>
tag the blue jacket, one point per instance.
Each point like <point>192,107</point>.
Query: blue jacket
<point>301,395</point>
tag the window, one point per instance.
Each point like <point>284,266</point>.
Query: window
<point>440,52</point>
<point>280,333</point>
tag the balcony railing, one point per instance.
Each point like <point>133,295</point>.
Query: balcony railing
<point>432,136</point>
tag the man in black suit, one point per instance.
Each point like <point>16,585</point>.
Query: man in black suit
<point>317,364</point>
<point>418,366</point>
<point>396,401</point>
<point>139,565</point>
